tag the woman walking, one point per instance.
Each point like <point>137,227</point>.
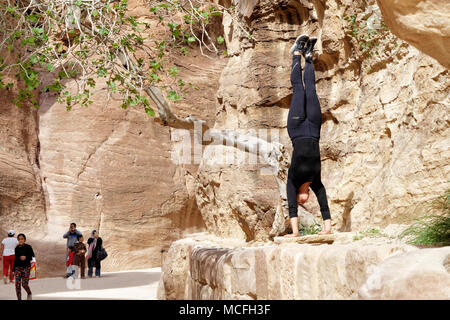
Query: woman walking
<point>7,254</point>
<point>303,124</point>
<point>23,256</point>
<point>94,244</point>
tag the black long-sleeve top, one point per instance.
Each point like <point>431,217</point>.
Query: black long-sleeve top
<point>306,166</point>
<point>25,250</point>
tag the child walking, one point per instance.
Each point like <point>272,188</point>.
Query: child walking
<point>79,259</point>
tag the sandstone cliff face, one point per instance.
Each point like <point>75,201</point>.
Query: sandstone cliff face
<point>385,130</point>
<point>104,168</point>
<point>424,24</point>
<point>112,170</point>
<point>22,201</point>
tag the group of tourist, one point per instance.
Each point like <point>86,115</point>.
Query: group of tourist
<point>17,256</point>
<point>77,254</point>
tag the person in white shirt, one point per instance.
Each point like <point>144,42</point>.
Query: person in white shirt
<point>7,254</point>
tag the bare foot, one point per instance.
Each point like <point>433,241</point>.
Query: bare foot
<point>326,227</point>
<point>291,235</point>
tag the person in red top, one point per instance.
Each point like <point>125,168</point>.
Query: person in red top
<point>69,261</point>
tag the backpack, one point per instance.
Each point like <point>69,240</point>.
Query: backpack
<point>101,254</point>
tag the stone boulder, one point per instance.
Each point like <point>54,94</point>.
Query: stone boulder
<point>420,274</point>
<point>424,24</point>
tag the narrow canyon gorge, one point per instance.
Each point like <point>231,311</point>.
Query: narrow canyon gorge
<point>210,224</point>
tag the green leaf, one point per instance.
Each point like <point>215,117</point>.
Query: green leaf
<point>112,86</point>
<point>33,58</point>
<point>161,45</point>
<point>91,82</point>
<point>149,111</point>
<point>37,31</point>
<point>155,65</point>
<point>173,96</point>
<point>132,21</point>
<point>173,71</point>
<point>50,67</point>
<point>220,39</point>
<point>103,31</point>
<point>11,9</point>
<point>155,77</point>
<point>56,86</point>
<point>32,17</point>
<point>101,72</point>
<point>184,50</point>
<point>188,19</point>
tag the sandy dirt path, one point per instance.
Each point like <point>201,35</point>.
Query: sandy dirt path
<point>132,284</point>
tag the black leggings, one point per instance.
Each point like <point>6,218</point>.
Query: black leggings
<point>22,275</point>
<point>304,130</point>
<point>304,122</point>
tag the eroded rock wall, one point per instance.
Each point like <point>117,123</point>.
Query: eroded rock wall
<point>22,200</point>
<point>103,167</point>
<point>385,129</point>
<point>424,24</point>
<point>112,170</point>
